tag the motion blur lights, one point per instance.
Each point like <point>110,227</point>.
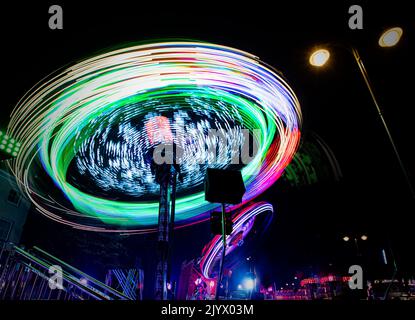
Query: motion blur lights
<point>246,217</point>
<point>91,115</point>
<point>319,57</point>
<point>390,37</point>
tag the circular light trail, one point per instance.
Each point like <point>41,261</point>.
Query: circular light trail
<point>91,127</point>
<point>242,224</point>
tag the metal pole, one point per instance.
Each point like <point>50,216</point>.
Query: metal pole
<point>222,260</point>
<point>395,271</point>
<point>21,274</point>
<point>50,293</point>
<point>163,234</point>
<point>44,282</point>
<point>395,149</point>
<point>58,297</point>
<point>6,265</point>
<point>9,277</point>
<point>357,247</point>
<point>372,94</point>
<point>171,226</point>
<point>33,287</point>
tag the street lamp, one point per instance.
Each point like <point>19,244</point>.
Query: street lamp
<point>362,237</point>
<point>389,38</point>
<point>319,57</point>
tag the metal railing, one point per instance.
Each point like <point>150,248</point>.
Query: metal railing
<point>26,275</point>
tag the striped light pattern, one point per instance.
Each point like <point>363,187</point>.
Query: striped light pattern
<point>117,156</point>
<point>93,115</point>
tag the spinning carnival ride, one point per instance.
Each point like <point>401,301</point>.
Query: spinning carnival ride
<point>91,128</point>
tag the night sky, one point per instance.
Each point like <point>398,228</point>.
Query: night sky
<point>310,221</point>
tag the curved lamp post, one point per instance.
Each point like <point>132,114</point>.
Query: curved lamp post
<point>389,38</point>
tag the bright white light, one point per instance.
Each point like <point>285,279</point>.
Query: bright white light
<point>249,283</point>
<point>363,237</point>
<point>346,238</point>
<point>319,57</point>
<point>390,37</point>
<point>239,287</point>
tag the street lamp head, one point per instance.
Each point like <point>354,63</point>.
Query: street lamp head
<point>319,57</point>
<point>390,37</point>
<point>346,238</point>
<point>363,237</point>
